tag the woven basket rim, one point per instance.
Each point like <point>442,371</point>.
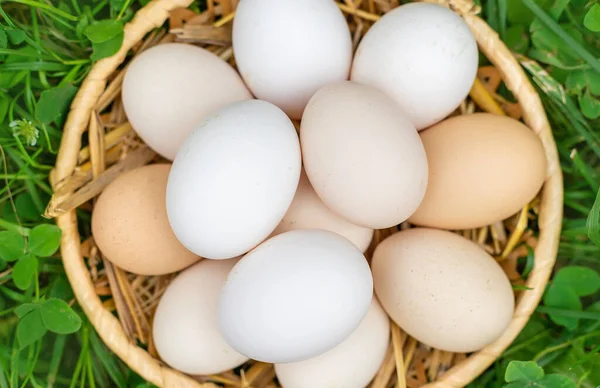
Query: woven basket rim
<point>153,15</point>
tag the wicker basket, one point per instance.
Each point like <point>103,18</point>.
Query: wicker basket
<point>102,289</point>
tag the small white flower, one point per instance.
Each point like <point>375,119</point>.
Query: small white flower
<point>26,129</point>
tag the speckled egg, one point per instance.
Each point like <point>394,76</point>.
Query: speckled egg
<point>442,289</point>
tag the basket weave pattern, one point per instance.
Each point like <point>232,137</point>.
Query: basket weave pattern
<point>81,174</point>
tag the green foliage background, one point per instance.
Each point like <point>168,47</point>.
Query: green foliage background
<point>46,50</point>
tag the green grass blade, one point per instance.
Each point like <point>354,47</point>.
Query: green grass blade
<point>502,11</point>
<point>56,358</point>
<point>90,372</point>
<point>3,379</point>
<point>6,51</point>
<point>108,360</point>
<point>16,228</point>
<point>46,7</point>
<point>123,9</point>
<point>582,209</point>
<point>592,353</point>
<point>562,102</point>
<point>491,12</point>
<point>78,370</point>
<point>98,8</point>
<point>32,359</point>
<point>586,171</point>
<point>515,348</point>
<point>14,365</point>
<point>592,315</point>
<point>568,39</point>
<point>14,295</point>
<point>34,66</point>
<point>593,221</point>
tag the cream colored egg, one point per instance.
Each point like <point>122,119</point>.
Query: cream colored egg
<point>442,289</point>
<point>185,324</point>
<point>351,364</point>
<point>307,211</point>
<point>170,88</point>
<point>130,224</point>
<point>362,156</point>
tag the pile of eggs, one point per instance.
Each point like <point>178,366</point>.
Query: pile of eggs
<point>282,220</point>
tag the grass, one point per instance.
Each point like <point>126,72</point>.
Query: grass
<point>46,50</point>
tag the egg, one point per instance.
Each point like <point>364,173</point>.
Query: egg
<point>130,224</point>
<point>483,168</point>
<point>295,296</point>
<point>233,179</point>
<point>421,54</point>
<point>168,89</point>
<point>287,49</point>
<point>307,211</point>
<point>442,289</point>
<point>185,329</point>
<point>363,157</point>
<point>351,364</point>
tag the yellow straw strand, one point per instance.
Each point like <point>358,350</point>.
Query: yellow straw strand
<point>484,99</point>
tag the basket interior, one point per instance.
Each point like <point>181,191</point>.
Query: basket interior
<point>112,147</point>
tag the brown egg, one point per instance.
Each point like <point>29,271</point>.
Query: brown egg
<point>483,168</point>
<point>130,224</point>
<point>442,289</point>
<point>307,211</point>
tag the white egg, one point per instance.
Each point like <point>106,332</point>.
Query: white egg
<point>170,88</point>
<point>424,56</point>
<point>233,179</point>
<point>295,296</point>
<point>351,364</point>
<point>287,49</point>
<point>185,328</point>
